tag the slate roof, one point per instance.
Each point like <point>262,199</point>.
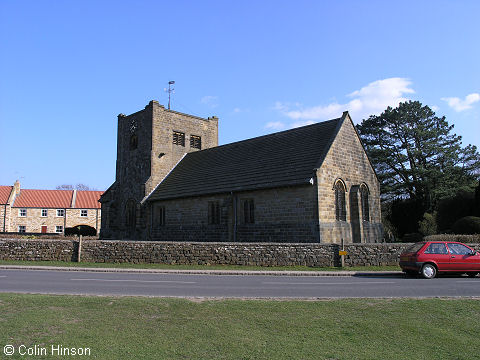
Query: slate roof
<point>5,194</point>
<point>281,159</point>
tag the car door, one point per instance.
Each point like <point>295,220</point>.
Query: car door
<point>437,253</point>
<point>461,258</point>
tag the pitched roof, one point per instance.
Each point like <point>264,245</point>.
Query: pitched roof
<point>44,198</point>
<point>88,199</point>
<point>280,159</point>
<point>5,193</point>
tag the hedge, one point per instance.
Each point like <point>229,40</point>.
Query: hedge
<point>472,239</point>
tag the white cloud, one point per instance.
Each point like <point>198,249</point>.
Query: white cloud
<point>237,110</point>
<point>460,105</point>
<point>371,99</point>
<point>301,123</point>
<point>210,100</point>
<point>275,125</point>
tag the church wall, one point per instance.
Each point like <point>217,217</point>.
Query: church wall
<point>280,215</point>
<point>142,165</point>
<point>346,160</point>
<point>165,122</point>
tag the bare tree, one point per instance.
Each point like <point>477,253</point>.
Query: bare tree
<point>81,187</point>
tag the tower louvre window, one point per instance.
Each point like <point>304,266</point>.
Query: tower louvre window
<point>195,142</point>
<point>178,138</point>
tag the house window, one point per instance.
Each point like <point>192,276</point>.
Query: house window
<point>60,212</point>
<point>248,211</point>
<point>59,229</point>
<point>44,212</point>
<point>22,228</point>
<point>365,205</point>
<point>158,215</point>
<point>22,212</point>
<point>340,205</point>
<point>195,142</point>
<point>178,138</point>
<point>83,213</point>
<point>213,213</point>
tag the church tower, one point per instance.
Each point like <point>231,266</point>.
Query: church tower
<point>150,143</point>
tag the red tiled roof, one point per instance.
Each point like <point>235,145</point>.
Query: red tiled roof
<point>44,198</point>
<point>5,193</point>
<point>88,199</point>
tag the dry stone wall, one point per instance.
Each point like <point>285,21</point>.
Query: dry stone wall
<point>260,254</point>
<point>38,250</point>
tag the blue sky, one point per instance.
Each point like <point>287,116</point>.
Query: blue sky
<point>68,68</point>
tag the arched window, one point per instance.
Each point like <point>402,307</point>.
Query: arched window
<point>130,214</point>
<point>365,204</point>
<point>133,142</point>
<point>340,204</point>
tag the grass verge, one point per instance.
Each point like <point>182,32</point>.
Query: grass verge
<point>197,267</point>
<point>154,328</point>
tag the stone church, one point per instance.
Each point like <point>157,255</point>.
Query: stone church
<point>174,183</point>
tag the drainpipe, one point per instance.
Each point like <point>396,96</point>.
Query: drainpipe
<point>234,217</point>
<point>96,222</point>
<point>4,217</point>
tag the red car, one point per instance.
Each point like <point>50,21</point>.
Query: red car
<point>432,257</point>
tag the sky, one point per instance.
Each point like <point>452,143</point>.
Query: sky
<point>68,68</point>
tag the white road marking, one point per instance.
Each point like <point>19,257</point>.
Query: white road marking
<point>327,283</point>
<point>139,281</point>
<point>3,275</point>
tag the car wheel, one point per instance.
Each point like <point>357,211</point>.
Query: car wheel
<point>472,274</point>
<point>429,271</point>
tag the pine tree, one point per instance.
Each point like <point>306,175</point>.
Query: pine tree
<point>416,155</point>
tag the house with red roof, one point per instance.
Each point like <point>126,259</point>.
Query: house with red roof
<point>47,211</point>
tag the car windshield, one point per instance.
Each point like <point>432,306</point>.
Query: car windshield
<point>415,247</point>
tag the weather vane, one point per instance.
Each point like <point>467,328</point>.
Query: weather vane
<point>170,90</point>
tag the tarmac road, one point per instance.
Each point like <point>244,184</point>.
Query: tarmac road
<point>233,286</point>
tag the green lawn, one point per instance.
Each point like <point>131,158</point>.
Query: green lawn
<point>155,328</point>
<point>197,267</point>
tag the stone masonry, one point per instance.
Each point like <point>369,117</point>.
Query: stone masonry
<point>200,253</point>
<point>145,155</point>
<point>192,253</point>
<point>39,211</point>
<point>281,215</point>
<point>347,161</point>
<point>275,188</point>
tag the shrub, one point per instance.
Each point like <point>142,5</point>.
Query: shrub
<point>467,225</point>
<point>412,237</point>
<point>84,230</point>
<point>451,209</point>
<point>428,226</point>
<point>405,215</point>
<point>472,239</point>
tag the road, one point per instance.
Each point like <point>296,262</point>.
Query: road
<point>232,286</point>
